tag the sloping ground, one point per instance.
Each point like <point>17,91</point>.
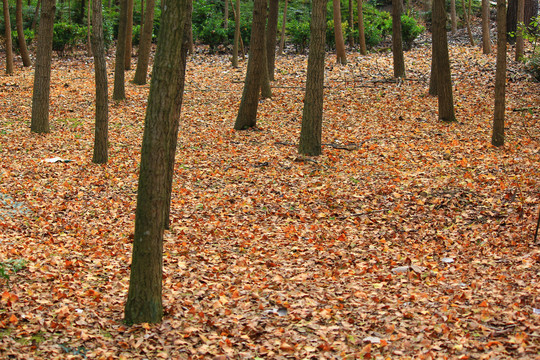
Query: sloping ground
<point>407,238</point>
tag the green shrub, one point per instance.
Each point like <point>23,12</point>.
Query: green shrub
<point>66,36</point>
<point>136,36</point>
<point>299,33</point>
<point>29,36</point>
<point>212,33</point>
<point>410,29</point>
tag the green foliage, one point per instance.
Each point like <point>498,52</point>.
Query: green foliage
<point>531,34</point>
<point>12,266</point>
<point>410,29</point>
<point>299,33</point>
<point>66,36</point>
<point>136,36</point>
<point>29,36</point>
<point>213,33</point>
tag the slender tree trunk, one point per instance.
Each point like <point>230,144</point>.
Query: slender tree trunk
<point>466,17</point>
<point>42,75</point>
<point>311,133</point>
<point>497,138</point>
<point>144,301</point>
<point>266,91</point>
<point>129,35</point>
<point>351,22</point>
<point>36,15</point>
<point>142,14</point>
<point>521,28</point>
<point>486,41</point>
<point>247,113</point>
<point>271,37</point>
<point>9,45</point>
<point>88,28</point>
<point>119,91</point>
<point>433,73</point>
<point>236,34</point>
<point>361,28</point>
<point>20,34</point>
<point>101,154</point>
<point>453,16</point>
<point>145,45</point>
<point>226,15</point>
<point>442,63</point>
<point>397,45</point>
<point>338,32</point>
<point>283,27</point>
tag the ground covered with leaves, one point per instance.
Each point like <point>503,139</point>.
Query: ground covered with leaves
<point>407,238</point>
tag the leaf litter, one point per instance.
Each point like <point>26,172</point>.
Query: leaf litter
<point>407,238</point>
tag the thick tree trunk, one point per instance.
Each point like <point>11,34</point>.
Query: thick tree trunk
<point>397,45</point>
<point>486,40</point>
<point>42,75</point>
<point>520,29</point>
<point>442,63</point>
<point>144,302</point>
<point>101,155</point>
<point>247,113</point>
<point>311,133</point>
<point>20,35</point>
<point>361,28</point>
<point>497,137</point>
<point>129,35</point>
<point>283,27</point>
<point>9,45</point>
<point>271,37</point>
<point>338,33</point>
<point>119,91</point>
<point>236,34</point>
<point>530,11</point>
<point>145,45</point>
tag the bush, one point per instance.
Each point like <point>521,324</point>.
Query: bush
<point>66,36</point>
<point>299,33</point>
<point>29,36</point>
<point>410,29</point>
<point>212,33</point>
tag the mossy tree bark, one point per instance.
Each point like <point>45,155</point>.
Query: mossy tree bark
<point>497,137</point>
<point>101,139</point>
<point>144,302</point>
<point>442,63</point>
<point>42,74</point>
<point>247,113</point>
<point>312,114</point>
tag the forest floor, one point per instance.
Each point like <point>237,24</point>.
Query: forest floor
<point>407,238</point>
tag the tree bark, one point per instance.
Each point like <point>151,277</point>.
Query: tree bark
<point>531,10</point>
<point>88,28</point>
<point>119,91</point>
<point>144,301</point>
<point>247,113</point>
<point>311,133</point>
<point>42,75</point>
<point>467,18</point>
<point>266,91</point>
<point>283,27</point>
<point>497,137</point>
<point>226,15</point>
<point>397,44</point>
<point>36,15</point>
<point>361,28</point>
<point>442,63</point>
<point>145,45</point>
<point>453,17</point>
<point>521,28</point>
<point>341,56</point>
<point>236,34</point>
<point>486,40</point>
<point>351,22</point>
<point>271,37</point>
<point>20,35</point>
<point>9,45</point>
<point>129,35</point>
<point>101,138</point>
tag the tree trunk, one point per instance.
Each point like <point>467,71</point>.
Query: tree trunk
<point>397,45</point>
<point>129,35</point>
<point>351,22</point>
<point>497,138</point>
<point>271,37</point>
<point>266,91</point>
<point>119,91</point>
<point>283,27</point>
<point>520,29</point>
<point>100,71</point>
<point>42,75</point>
<point>226,15</point>
<point>312,114</point>
<point>453,16</point>
<point>236,34</point>
<point>442,63</point>
<point>338,33</point>
<point>247,113</point>
<point>361,28</point>
<point>486,40</point>
<point>88,28</point>
<point>9,45</point>
<point>466,17</point>
<point>36,15</point>
<point>144,301</point>
<point>20,35</point>
<point>145,45</point>
<point>531,10</point>
<point>142,14</point>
